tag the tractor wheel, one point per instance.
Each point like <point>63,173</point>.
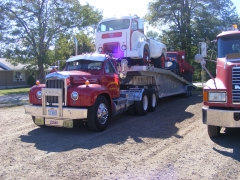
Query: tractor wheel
<point>213,131</point>
<point>141,107</point>
<point>98,114</point>
<point>152,100</point>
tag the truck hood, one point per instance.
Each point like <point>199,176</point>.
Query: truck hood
<point>75,77</point>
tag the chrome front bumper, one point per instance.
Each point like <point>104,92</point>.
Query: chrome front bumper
<point>218,117</point>
<point>67,112</point>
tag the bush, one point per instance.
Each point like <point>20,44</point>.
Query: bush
<point>31,80</point>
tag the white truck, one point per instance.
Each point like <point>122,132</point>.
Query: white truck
<point>124,37</point>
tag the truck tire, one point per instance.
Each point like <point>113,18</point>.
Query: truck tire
<point>143,61</point>
<point>141,107</point>
<point>213,131</point>
<point>188,93</point>
<point>152,103</point>
<point>159,62</point>
<point>98,114</point>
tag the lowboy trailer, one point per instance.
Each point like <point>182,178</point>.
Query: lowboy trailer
<point>96,87</point>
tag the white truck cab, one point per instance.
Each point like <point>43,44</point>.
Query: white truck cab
<point>124,37</point>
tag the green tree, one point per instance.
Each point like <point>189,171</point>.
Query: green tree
<point>65,47</point>
<point>34,25</point>
<point>153,35</point>
<point>188,22</point>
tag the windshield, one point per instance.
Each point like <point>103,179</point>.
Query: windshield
<point>172,55</point>
<point>83,65</point>
<point>228,45</point>
<point>114,25</point>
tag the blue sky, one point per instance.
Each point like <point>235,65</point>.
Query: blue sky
<point>112,8</point>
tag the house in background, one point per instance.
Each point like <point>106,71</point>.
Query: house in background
<point>13,76</point>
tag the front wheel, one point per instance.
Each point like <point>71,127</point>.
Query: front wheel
<point>99,114</point>
<point>213,131</point>
<point>141,107</point>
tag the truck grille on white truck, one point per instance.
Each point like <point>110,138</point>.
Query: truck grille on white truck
<point>235,85</point>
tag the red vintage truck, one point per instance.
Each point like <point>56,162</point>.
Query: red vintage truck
<point>176,62</point>
<point>221,94</point>
<point>94,87</point>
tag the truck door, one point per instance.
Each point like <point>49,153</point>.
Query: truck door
<point>111,79</point>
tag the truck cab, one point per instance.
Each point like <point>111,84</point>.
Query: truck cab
<point>221,94</point>
<point>124,37</point>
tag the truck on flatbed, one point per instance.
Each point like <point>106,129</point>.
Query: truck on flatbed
<point>94,88</point>
<point>221,94</point>
<point>176,62</point>
<point>124,37</point>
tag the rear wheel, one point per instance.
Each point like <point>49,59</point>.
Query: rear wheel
<point>213,131</point>
<point>141,107</point>
<point>152,100</point>
<point>98,114</point>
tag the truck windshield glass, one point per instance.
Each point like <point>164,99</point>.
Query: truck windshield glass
<point>172,55</point>
<point>228,45</point>
<point>83,65</point>
<point>114,25</point>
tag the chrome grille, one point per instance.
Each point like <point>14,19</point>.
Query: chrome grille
<point>56,83</point>
<point>236,85</point>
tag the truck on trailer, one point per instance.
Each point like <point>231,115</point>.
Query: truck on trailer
<point>124,37</point>
<point>94,88</point>
<point>176,62</point>
<point>221,94</point>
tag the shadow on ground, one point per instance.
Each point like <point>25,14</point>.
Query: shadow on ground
<point>159,124</point>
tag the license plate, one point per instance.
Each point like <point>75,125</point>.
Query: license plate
<point>52,112</point>
<point>68,124</point>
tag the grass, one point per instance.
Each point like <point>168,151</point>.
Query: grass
<point>14,91</point>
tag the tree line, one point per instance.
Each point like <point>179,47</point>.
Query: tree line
<point>40,32</point>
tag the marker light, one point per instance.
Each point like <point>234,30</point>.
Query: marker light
<point>234,26</point>
<point>37,82</point>
<point>87,83</point>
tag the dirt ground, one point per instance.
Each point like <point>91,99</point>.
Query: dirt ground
<point>170,143</point>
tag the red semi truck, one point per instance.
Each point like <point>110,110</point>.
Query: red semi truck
<point>94,88</point>
<point>221,94</point>
<point>176,62</point>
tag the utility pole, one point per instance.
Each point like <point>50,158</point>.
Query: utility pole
<point>76,46</point>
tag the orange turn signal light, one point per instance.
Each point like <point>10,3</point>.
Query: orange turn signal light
<point>37,82</point>
<point>205,96</point>
<point>87,82</point>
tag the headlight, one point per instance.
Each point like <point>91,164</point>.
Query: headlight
<point>74,95</point>
<point>39,94</point>
<point>217,96</point>
<point>123,47</point>
<point>100,49</point>
<point>168,64</point>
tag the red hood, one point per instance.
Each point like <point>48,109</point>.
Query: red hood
<point>76,77</point>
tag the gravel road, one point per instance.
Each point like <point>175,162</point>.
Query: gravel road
<point>170,143</point>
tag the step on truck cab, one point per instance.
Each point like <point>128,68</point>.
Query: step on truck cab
<point>124,37</point>
<point>94,88</point>
<point>221,94</point>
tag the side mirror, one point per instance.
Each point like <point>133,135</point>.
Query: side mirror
<point>199,59</point>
